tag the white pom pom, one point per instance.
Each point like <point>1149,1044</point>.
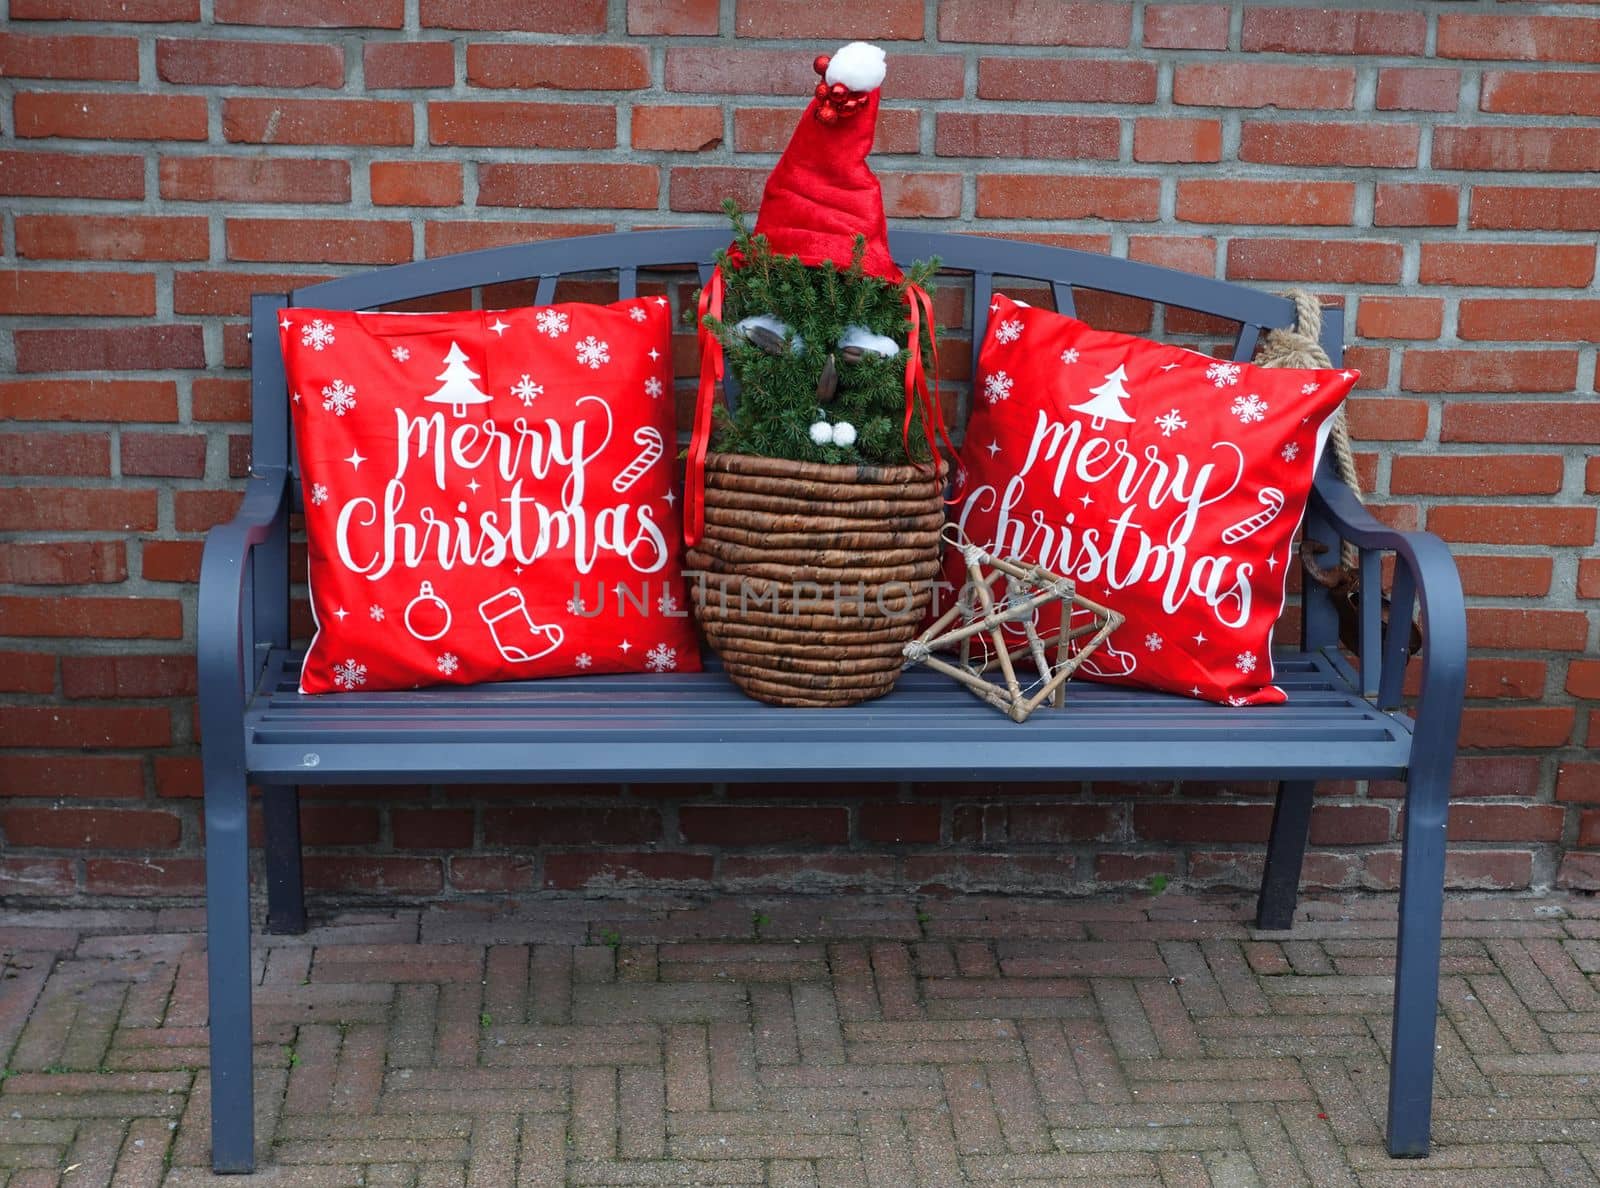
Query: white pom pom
<point>877,344</point>
<point>844,434</point>
<point>822,433</point>
<point>858,66</point>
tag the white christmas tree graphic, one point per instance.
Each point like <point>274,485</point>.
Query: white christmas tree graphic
<point>459,390</point>
<point>1107,402</point>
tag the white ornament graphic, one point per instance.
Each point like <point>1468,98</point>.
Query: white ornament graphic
<point>1070,355</point>
<point>583,660</point>
<point>518,638</point>
<point>637,314</point>
<point>401,354</point>
<point>375,612</point>
<point>1245,661</point>
<point>593,352</point>
<point>319,494</point>
<point>651,447</point>
<point>339,397</point>
<point>427,598</point>
<point>575,605</point>
<point>526,390</point>
<point>1223,374</point>
<point>349,674</point>
<point>666,604</point>
<point>458,390</point>
<point>1107,402</point>
<point>448,663</point>
<point>1008,331</point>
<point>1171,423</point>
<point>652,387</point>
<point>1153,642</point>
<point>1249,408</point>
<point>997,387</point>
<point>317,335</point>
<point>1289,452</point>
<point>552,322</point>
<point>660,658</point>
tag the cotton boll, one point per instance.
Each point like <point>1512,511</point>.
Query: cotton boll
<point>859,66</point>
<point>877,344</point>
<point>844,434</point>
<point>823,433</point>
<point>775,326</point>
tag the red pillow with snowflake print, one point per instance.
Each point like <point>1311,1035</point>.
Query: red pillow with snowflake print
<point>487,494</point>
<point>1166,483</point>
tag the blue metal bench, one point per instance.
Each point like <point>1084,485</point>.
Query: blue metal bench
<point>1341,721</point>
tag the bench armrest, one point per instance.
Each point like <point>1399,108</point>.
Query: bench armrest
<point>226,648</point>
<point>1425,574</point>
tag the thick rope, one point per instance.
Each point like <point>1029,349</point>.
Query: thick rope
<point>1301,346</point>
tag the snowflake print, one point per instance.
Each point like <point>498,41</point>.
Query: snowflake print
<point>339,397</point>
<point>401,354</point>
<point>375,612</point>
<point>1223,375</point>
<point>660,658</point>
<point>594,352</point>
<point>1070,355</point>
<point>652,387</point>
<point>1289,452</point>
<point>1307,389</point>
<point>526,390</point>
<point>318,335</point>
<point>1008,331</point>
<point>666,604</point>
<point>1153,642</point>
<point>319,494</point>
<point>996,387</point>
<point>637,314</point>
<point>552,322</point>
<point>1249,408</point>
<point>575,605</point>
<point>448,663</point>
<point>583,660</point>
<point>1237,700</point>
<point>1171,423</point>
<point>349,674</point>
<point>1245,661</point>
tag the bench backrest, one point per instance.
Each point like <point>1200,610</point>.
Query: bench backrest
<point>625,254</point>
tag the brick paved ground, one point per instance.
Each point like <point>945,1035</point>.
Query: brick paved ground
<point>815,1041</point>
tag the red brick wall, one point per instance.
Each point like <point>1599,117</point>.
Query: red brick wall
<point>1431,166</point>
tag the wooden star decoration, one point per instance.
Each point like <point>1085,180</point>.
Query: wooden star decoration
<point>1028,588</point>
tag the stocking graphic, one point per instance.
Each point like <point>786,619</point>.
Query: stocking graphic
<point>517,636</point>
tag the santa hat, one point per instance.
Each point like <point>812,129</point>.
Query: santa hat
<point>821,194</point>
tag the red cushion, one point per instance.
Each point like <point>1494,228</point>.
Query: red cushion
<point>1167,484</point>
<point>487,494</point>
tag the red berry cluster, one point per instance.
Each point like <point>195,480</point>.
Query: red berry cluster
<point>838,101</point>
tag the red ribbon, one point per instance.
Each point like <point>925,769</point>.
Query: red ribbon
<point>694,485</point>
<point>920,310</point>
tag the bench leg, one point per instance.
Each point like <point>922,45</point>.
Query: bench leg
<point>286,900</point>
<point>1416,979</point>
<point>228,969</point>
<point>1286,850</point>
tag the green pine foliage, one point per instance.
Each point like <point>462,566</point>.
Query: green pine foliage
<point>777,402</point>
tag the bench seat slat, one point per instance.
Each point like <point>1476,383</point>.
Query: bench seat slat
<point>640,728</point>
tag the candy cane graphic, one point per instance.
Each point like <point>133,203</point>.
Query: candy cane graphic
<point>649,455</point>
<point>1272,503</point>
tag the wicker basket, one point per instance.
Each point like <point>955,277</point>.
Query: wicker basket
<point>815,576</point>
